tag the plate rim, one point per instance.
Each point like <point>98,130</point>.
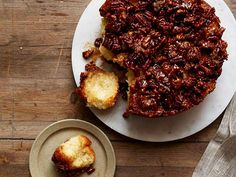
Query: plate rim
<point>52,128</point>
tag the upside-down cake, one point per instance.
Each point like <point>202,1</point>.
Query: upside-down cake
<point>173,48</point>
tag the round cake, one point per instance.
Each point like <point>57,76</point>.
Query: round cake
<point>172,48</point>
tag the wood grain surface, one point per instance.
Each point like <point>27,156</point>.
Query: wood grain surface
<point>36,83</point>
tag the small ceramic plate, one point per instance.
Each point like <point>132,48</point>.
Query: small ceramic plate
<point>50,138</point>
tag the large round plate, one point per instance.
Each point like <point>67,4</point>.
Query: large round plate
<point>161,129</point>
<point>50,138</point>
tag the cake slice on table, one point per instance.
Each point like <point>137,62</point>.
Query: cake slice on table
<point>75,156</point>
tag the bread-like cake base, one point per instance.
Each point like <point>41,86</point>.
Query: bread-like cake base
<point>98,88</point>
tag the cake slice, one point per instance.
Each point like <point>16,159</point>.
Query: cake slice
<point>75,156</point>
<point>98,88</point>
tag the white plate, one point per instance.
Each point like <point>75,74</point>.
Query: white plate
<point>161,129</point>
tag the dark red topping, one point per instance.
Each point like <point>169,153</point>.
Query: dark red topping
<point>77,172</point>
<point>174,48</point>
<point>98,42</point>
<point>123,87</point>
<point>87,54</point>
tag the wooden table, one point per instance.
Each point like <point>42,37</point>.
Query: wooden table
<point>36,83</point>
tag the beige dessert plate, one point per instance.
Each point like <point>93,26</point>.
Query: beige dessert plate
<point>50,138</point>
